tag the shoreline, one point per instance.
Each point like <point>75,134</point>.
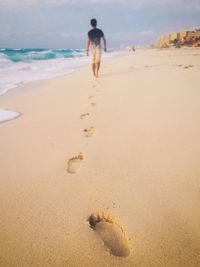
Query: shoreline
<point>118,155</point>
<point>83,61</point>
<point>38,83</point>
<point>30,85</point>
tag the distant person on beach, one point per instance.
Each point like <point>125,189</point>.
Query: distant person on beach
<point>94,43</point>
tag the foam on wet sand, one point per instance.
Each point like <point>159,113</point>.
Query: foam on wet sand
<point>6,115</point>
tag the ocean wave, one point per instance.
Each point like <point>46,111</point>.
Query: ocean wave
<point>3,57</point>
<point>29,55</point>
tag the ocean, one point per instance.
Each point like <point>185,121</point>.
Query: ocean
<point>19,66</point>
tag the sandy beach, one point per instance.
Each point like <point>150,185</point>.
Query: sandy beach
<point>124,148</point>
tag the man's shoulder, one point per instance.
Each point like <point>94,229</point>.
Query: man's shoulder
<point>90,31</point>
<point>97,30</point>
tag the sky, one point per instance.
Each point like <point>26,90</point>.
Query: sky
<point>65,23</point>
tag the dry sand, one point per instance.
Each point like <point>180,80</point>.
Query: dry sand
<point>142,165</point>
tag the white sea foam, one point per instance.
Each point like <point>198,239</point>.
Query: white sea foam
<point>29,68</point>
<point>6,115</point>
<point>14,74</point>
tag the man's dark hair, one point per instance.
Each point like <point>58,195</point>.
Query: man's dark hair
<point>93,22</point>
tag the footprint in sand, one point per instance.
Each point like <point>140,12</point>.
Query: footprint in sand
<point>91,97</point>
<point>188,66</point>
<point>93,104</point>
<point>185,67</point>
<point>74,163</point>
<point>84,115</point>
<point>111,233</point>
<point>89,131</point>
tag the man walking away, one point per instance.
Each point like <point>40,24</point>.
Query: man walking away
<point>94,43</point>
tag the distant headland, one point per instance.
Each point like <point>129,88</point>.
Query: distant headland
<point>179,39</point>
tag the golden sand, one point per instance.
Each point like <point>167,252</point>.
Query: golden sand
<point>142,167</point>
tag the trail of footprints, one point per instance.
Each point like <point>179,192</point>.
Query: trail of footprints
<point>74,163</point>
<point>104,225</point>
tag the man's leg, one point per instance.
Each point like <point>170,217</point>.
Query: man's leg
<point>98,60</point>
<point>93,68</point>
<point>97,67</point>
<point>93,54</point>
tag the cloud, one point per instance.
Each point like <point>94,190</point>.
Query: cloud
<point>147,32</point>
<point>59,23</point>
<point>193,8</point>
<point>131,3</point>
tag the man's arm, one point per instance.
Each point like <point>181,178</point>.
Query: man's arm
<point>88,46</point>
<point>104,42</point>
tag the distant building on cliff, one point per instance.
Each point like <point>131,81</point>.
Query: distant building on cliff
<point>173,36</point>
<point>184,37</point>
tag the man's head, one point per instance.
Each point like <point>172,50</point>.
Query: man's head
<point>93,22</point>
